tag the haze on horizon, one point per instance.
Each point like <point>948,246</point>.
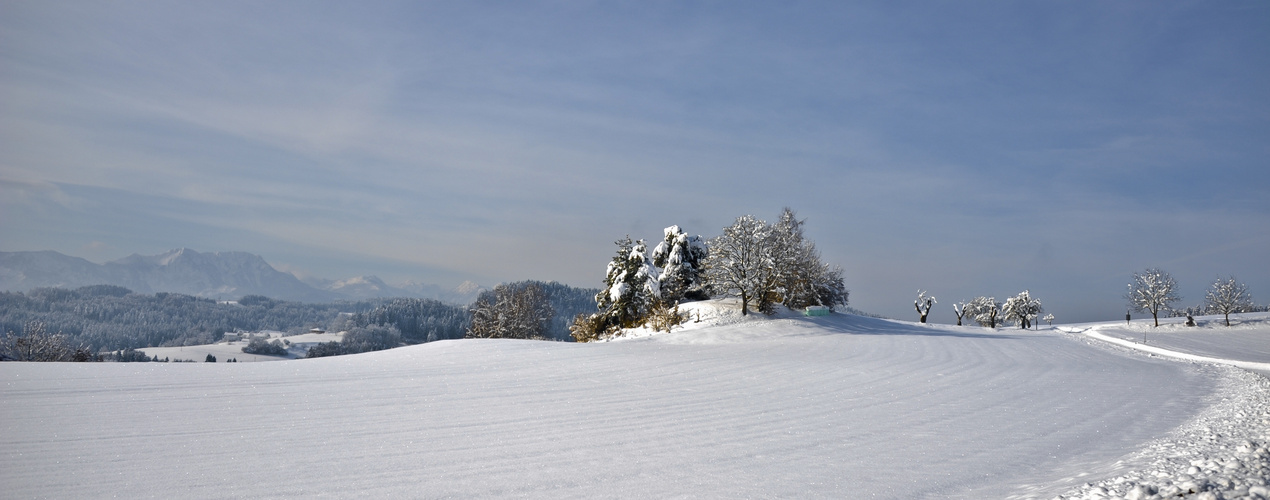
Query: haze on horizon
<point>963,149</point>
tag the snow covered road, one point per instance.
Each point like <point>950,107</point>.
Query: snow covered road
<point>841,407</point>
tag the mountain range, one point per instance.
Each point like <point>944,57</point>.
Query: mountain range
<point>219,275</point>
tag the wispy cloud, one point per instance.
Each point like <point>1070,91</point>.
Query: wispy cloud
<point>938,147</point>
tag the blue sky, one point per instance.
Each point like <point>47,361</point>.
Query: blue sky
<point>965,148</point>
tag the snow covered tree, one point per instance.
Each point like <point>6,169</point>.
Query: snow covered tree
<point>679,258</point>
<point>741,263</point>
<point>1152,291</point>
<point>1021,308</point>
<point>1228,296</point>
<point>1049,319</point>
<point>509,312</point>
<point>923,304</point>
<point>960,309</point>
<point>983,310</point>
<point>801,278</point>
<point>37,344</point>
<point>630,287</point>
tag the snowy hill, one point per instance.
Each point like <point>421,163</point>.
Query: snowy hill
<point>834,407</point>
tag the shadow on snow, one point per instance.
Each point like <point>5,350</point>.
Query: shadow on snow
<point>863,325</point>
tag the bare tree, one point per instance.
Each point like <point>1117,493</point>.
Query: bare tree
<point>1021,308</point>
<point>37,344</point>
<point>960,309</point>
<point>1152,291</point>
<point>923,304</point>
<point>802,278</point>
<point>1228,296</point>
<point>983,310</point>
<point>511,313</point>
<point>740,263</point>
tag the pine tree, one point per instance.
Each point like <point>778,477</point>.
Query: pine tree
<point>630,287</point>
<point>677,263</point>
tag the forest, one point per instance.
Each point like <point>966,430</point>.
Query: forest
<point>111,318</point>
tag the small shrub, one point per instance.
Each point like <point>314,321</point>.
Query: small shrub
<point>588,327</point>
<point>664,318</point>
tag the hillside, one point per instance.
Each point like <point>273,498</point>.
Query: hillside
<point>834,407</point>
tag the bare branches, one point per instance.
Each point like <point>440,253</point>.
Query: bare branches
<point>1152,291</point>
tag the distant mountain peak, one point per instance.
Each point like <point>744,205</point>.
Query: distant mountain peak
<point>467,287</point>
<point>220,275</point>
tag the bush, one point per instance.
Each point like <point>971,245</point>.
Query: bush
<point>664,318</point>
<point>588,327</point>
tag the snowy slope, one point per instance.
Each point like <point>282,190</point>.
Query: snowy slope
<point>835,407</point>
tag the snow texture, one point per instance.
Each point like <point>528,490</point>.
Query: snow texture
<point>729,406</point>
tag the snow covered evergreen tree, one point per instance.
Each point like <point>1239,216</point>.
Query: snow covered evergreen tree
<point>741,264</point>
<point>1228,296</point>
<point>923,304</point>
<point>983,310</point>
<point>679,258</point>
<point>1022,309</point>
<point>630,287</point>
<point>1152,291</point>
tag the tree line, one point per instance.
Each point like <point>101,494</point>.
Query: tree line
<point>104,318</point>
<point>1155,291</point>
<point>1152,290</point>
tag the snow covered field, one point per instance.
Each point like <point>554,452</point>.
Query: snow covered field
<point>1246,339</point>
<point>297,347</point>
<point>832,407</point>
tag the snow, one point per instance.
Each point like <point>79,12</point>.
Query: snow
<point>731,406</point>
<point>299,345</point>
<point>1246,339</point>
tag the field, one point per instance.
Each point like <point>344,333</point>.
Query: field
<point>832,407</point>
